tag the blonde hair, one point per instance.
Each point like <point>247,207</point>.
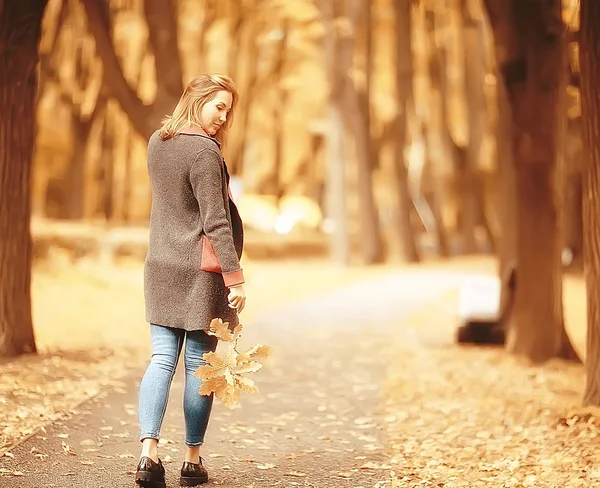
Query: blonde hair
<point>198,92</point>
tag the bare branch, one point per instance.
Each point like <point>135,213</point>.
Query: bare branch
<point>141,116</point>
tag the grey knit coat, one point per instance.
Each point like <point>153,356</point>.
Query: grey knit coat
<point>196,235</point>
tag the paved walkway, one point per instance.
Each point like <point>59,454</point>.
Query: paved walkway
<point>316,422</point>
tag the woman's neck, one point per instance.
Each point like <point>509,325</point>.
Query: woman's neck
<point>194,129</point>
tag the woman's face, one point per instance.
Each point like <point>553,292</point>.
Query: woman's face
<point>214,113</point>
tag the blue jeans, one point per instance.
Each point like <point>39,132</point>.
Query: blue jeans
<point>167,343</point>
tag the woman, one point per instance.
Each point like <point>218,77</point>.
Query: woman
<point>192,271</point>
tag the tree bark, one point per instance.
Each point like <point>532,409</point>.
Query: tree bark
<point>590,114</point>
<point>405,100</point>
<point>528,50</point>
<point>20,28</point>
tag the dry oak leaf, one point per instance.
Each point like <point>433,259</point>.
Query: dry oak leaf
<point>224,376</point>
<point>221,330</point>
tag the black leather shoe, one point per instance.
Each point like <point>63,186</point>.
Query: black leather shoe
<point>193,474</point>
<point>150,474</point>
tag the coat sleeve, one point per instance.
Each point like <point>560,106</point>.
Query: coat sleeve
<point>206,178</point>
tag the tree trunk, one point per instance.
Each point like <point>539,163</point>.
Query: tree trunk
<point>572,187</point>
<point>472,189</point>
<point>20,27</point>
<point>506,199</point>
<point>274,185</point>
<point>590,114</point>
<point>235,37</point>
<point>75,186</point>
<point>529,53</point>
<point>336,55</point>
<point>436,131</point>
<point>107,163</point>
<point>537,324</point>
<point>360,119</point>
<point>573,219</point>
<point>128,181</point>
<point>405,98</point>
<point>161,16</point>
<point>236,145</point>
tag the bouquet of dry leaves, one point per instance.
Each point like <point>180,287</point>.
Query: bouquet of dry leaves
<point>224,376</point>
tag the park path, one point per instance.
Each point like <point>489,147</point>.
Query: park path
<point>317,422</point>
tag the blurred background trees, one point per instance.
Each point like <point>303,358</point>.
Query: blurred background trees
<point>367,131</point>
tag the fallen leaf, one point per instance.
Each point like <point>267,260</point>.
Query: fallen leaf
<point>67,449</point>
<point>297,474</point>
<point>373,465</point>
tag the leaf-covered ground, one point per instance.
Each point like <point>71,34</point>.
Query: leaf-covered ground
<point>477,417</point>
<point>364,389</point>
<point>90,331</point>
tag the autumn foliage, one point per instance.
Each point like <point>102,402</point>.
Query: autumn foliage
<point>224,376</point>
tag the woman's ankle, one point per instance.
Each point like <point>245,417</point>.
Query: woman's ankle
<point>150,449</point>
<point>192,454</point>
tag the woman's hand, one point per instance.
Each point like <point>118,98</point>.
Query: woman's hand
<point>237,297</point>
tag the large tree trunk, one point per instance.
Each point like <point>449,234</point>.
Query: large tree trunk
<point>528,49</point>
<point>20,27</point>
<point>590,112</point>
<point>405,100</point>
<point>506,200</point>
